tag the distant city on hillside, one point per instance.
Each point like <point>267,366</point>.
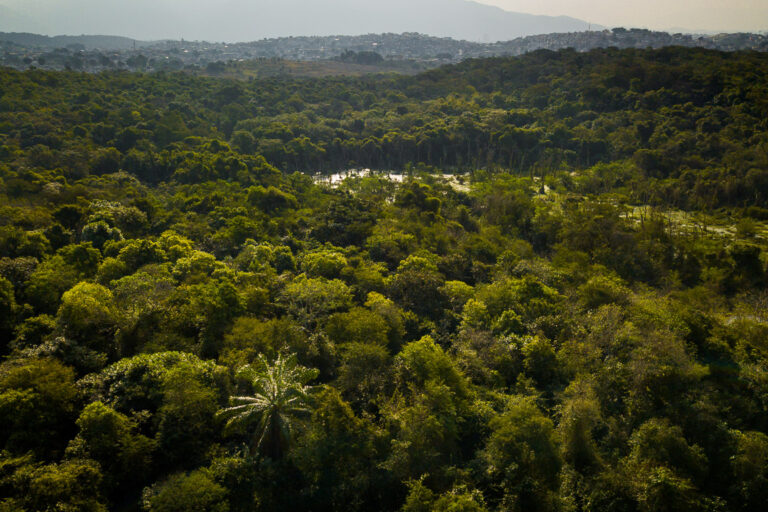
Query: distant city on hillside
<point>103,53</point>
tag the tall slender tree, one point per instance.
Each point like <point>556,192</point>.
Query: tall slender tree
<point>280,396</point>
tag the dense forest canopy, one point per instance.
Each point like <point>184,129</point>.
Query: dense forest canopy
<point>559,305</point>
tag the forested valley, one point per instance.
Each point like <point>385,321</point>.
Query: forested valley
<point>548,294</point>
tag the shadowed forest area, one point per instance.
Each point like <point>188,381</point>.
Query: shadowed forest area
<point>561,306</point>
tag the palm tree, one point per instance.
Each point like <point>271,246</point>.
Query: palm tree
<point>280,395</point>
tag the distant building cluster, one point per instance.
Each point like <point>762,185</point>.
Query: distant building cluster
<point>95,54</point>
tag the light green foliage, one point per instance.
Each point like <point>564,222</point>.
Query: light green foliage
<point>207,310</point>
<point>307,298</point>
<point>196,267</point>
<point>422,499</point>
<point>460,501</point>
<point>475,315</point>
<point>324,263</point>
<point>540,361</point>
<point>137,253</point>
<point>59,273</point>
<point>261,257</point>
<point>70,485</point>
<point>88,314</point>
<point>600,290</point>
<point>367,276</point>
<point>661,371</point>
<point>127,218</point>
<point>426,431</point>
<point>110,270</point>
<point>16,242</point>
<point>175,246</point>
<point>251,337</point>
<point>365,372</point>
<point>509,322</point>
<point>357,325</point>
<point>458,293</point>
<point>427,420</point>
<point>664,468</point>
<point>193,492</point>
<point>424,361</point>
<point>390,246</point>
<point>660,489</point>
<point>528,296</point>
<point>248,338</point>
<point>391,314</point>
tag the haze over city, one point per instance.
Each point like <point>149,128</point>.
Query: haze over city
<point>244,20</point>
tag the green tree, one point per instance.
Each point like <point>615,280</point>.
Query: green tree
<point>187,425</point>
<point>357,325</point>
<point>308,298</point>
<point>336,452</point>
<point>522,457</point>
<point>664,468</point>
<point>280,395</point>
<point>89,316</point>
<point>69,485</point>
<point>140,383</point>
<point>750,467</point>
<point>193,492</point>
<point>110,438</point>
<point>37,406</point>
<point>580,416</point>
<point>59,273</point>
<point>99,233</point>
<point>7,313</point>
<point>418,285</point>
<point>422,499</point>
<point>325,263</point>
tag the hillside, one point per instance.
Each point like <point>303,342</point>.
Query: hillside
<point>405,52</point>
<point>541,287</point>
<point>86,42</point>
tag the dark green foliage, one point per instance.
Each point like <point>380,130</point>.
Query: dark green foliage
<point>110,438</point>
<point>7,313</point>
<point>522,457</point>
<point>557,303</point>
<point>38,401</point>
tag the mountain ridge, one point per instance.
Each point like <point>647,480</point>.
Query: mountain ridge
<point>246,20</point>
<point>90,42</point>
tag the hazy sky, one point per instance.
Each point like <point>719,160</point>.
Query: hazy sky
<point>734,15</point>
<point>246,20</point>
